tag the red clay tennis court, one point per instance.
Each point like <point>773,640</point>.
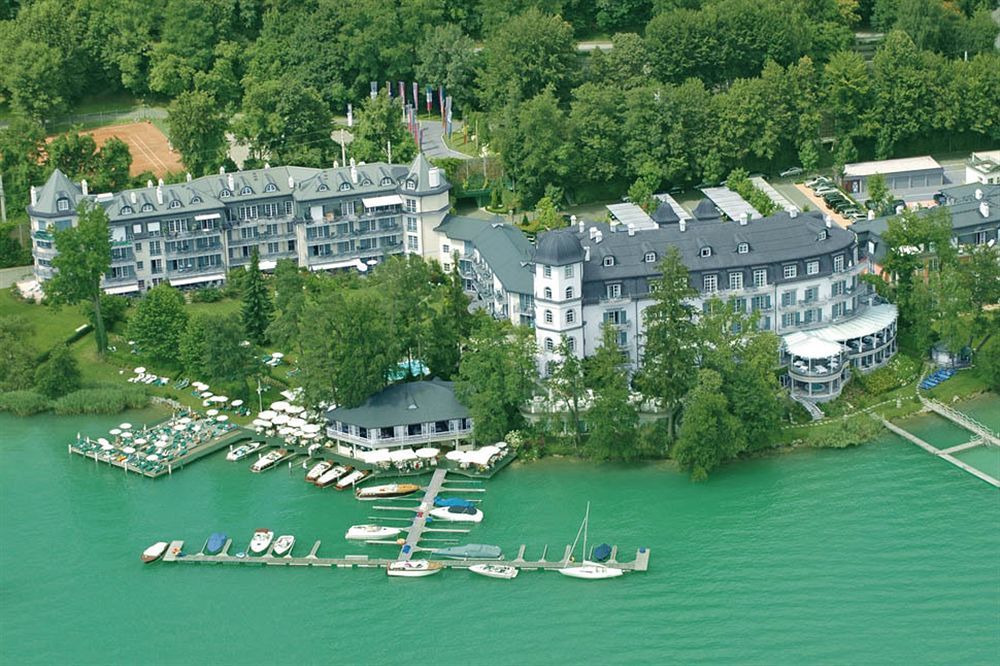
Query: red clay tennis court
<point>149,146</point>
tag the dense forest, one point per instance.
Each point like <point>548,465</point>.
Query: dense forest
<point>690,89</point>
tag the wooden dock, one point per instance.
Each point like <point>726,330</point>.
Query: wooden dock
<point>233,437</point>
<point>945,454</point>
<point>416,529</point>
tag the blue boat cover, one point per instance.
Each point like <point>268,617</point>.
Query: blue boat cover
<point>602,552</point>
<point>452,501</point>
<point>215,543</point>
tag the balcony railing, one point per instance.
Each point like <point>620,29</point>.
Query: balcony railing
<point>377,442</point>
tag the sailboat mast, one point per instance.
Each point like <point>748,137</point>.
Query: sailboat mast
<point>586,524</point>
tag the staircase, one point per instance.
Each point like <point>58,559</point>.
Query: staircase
<point>810,407</point>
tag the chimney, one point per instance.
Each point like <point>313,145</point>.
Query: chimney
<point>793,213</point>
<point>586,253</point>
<point>354,172</point>
<point>744,219</point>
<point>593,233</point>
<point>160,182</point>
<point>267,165</point>
<point>631,229</point>
<point>291,183</point>
<point>34,196</point>
<point>829,221</point>
<point>871,214</point>
<point>159,195</point>
<point>435,177</point>
<point>682,225</point>
<point>984,208</point>
<point>188,177</point>
<point>230,182</point>
<point>599,237</point>
<point>222,170</point>
<point>149,184</point>
<point>132,196</point>
<point>979,193</point>
<point>336,164</point>
<point>84,187</point>
<point>900,209</point>
<point>574,222</point>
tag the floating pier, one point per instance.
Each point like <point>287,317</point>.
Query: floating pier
<point>945,454</point>
<point>233,437</point>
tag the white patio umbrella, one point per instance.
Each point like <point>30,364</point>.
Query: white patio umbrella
<point>160,443</point>
<point>115,431</point>
<point>219,398</point>
<point>102,441</point>
<point>279,406</point>
<point>207,394</point>
<point>129,450</point>
<point>184,419</point>
<point>140,370</point>
<point>126,435</point>
<point>200,386</point>
<point>457,456</point>
<point>284,430</point>
<point>125,426</point>
<point>312,427</point>
<point>401,455</point>
<point>179,426</point>
<point>222,418</point>
<point>296,422</point>
<point>261,423</point>
<point>236,403</point>
<point>140,441</point>
<point>267,414</point>
<point>427,452</point>
<point>212,412</point>
<point>107,447</point>
<point>277,355</point>
<point>295,409</point>
<point>152,457</point>
<point>309,435</point>
<point>280,419</point>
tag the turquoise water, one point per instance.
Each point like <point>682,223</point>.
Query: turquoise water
<point>873,555</point>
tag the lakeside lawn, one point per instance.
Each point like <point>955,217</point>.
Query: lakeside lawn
<point>52,325</point>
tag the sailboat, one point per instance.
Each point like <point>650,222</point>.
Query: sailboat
<point>588,570</point>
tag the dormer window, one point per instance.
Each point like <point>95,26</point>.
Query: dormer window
<point>411,185</point>
<point>344,187</point>
<point>386,181</point>
<point>706,252</point>
<point>146,208</point>
<point>365,182</point>
<point>196,199</point>
<point>246,190</point>
<point>650,258</point>
<point>225,194</point>
<point>270,187</point>
<point>126,210</point>
<point>823,234</point>
<point>743,248</point>
<point>609,261</point>
<point>175,203</point>
<point>62,204</point>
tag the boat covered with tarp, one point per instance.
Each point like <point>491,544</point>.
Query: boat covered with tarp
<point>216,542</point>
<point>472,551</point>
<point>453,501</point>
<point>601,553</point>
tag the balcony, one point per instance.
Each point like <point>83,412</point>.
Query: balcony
<point>192,248</point>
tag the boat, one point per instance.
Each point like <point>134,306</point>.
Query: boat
<point>283,545</point>
<point>588,570</point>
<point>453,501</point>
<point>386,491</point>
<point>457,514</point>
<point>472,551</point>
<point>332,475</point>
<point>242,451</point>
<point>353,478</point>
<point>268,460</point>
<point>318,470</point>
<point>369,532</point>
<point>154,552</point>
<point>494,570</point>
<point>261,540</point>
<point>216,542</point>
<point>413,568</point>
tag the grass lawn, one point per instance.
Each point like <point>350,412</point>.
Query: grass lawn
<point>227,306</point>
<point>52,326</point>
<point>963,384</point>
<point>455,143</point>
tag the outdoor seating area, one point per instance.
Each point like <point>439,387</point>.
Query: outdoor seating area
<point>937,377</point>
<point>291,422</point>
<point>218,403</point>
<point>143,377</point>
<point>151,450</point>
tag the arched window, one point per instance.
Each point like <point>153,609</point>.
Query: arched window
<point>174,203</point>
<point>126,210</point>
<point>650,257</point>
<point>323,187</point>
<point>548,316</point>
<point>548,292</point>
<point>570,316</point>
<point>569,292</point>
<point>549,345</point>
<point>571,343</point>
<point>270,187</point>
<point>344,187</point>
<point>146,207</point>
<point>246,190</point>
<point>386,180</point>
<point>365,182</point>
<point>196,199</point>
<point>225,194</point>
<point>62,204</point>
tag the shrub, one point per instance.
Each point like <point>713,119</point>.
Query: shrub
<point>206,295</point>
<point>24,403</point>
<point>59,374</point>
<point>101,400</point>
<point>112,310</point>
<point>845,432</point>
<point>900,371</point>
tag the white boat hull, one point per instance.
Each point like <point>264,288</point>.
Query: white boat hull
<point>283,545</point>
<point>591,571</point>
<point>261,540</point>
<point>369,532</point>
<point>443,514</point>
<point>413,569</point>
<point>495,571</point>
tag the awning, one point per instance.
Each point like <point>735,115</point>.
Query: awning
<point>380,202</point>
<point>213,277</point>
<point>629,213</point>
<point>347,263</point>
<point>869,322</point>
<point>208,216</point>
<point>805,345</point>
<point>123,289</point>
<point>268,265</point>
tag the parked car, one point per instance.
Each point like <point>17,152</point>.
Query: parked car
<point>817,181</point>
<point>826,189</point>
<point>940,199</point>
<point>792,171</point>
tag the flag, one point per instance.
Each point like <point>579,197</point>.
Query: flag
<point>441,103</point>
<point>388,89</point>
<point>416,95</point>
<point>402,91</point>
<point>350,116</point>
<point>374,92</point>
<point>429,94</point>
<point>448,114</point>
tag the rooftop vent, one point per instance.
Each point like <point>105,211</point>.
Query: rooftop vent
<point>599,237</point>
<point>188,177</point>
<point>631,229</point>
<point>267,165</point>
<point>793,213</point>
<point>132,196</point>
<point>828,221</point>
<point>222,170</point>
<point>336,164</point>
<point>573,221</point>
<point>744,219</point>
<point>984,208</point>
<point>149,184</point>
<point>291,183</point>
<point>979,193</point>
<point>231,182</point>
<point>871,214</point>
<point>593,233</point>
<point>159,194</point>
<point>586,253</point>
<point>682,225</point>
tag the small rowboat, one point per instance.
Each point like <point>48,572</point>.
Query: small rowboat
<point>154,552</point>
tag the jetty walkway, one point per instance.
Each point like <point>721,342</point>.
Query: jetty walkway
<point>200,451</point>
<point>945,454</point>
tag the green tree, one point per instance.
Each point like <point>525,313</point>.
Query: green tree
<point>709,434</point>
<point>405,281</point>
<point>847,86</point>
<point>84,257</point>
<point>528,54</point>
<point>988,362</point>
<point>257,306</point>
<point>449,322</point>
<point>447,57</point>
<point>496,377</point>
<point>668,364</point>
<point>879,194</point>
<point>17,355</point>
<point>980,275</point>
<point>111,171</point>
<point>377,126</point>
<point>642,190</point>
<point>289,302</point>
<point>212,349</point>
<point>567,386</point>
<point>59,374</point>
<point>158,323</point>
<point>952,315</point>
<point>286,121</point>
<point>198,131</point>
<point>193,346</point>
<point>73,153</point>
<point>612,420</point>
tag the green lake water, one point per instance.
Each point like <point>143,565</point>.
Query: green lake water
<point>879,554</point>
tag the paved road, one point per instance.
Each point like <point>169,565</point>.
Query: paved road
<point>8,276</point>
<point>434,140</point>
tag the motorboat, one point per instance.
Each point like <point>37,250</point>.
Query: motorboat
<point>242,451</point>
<point>453,501</point>
<point>386,491</point>
<point>472,551</point>
<point>355,477</point>
<point>332,475</point>
<point>154,552</point>
<point>268,460</point>
<point>588,570</point>
<point>261,540</point>
<point>318,470</point>
<point>457,514</point>
<point>216,542</point>
<point>494,570</point>
<point>370,532</point>
<point>283,545</point>
<point>413,568</point>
